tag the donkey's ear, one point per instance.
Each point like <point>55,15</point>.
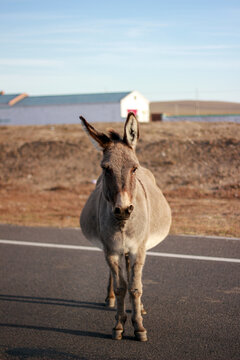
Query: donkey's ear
<point>131,131</point>
<point>99,139</point>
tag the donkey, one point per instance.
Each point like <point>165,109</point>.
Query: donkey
<point>125,215</point>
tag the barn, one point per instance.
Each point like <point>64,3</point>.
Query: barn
<point>21,109</point>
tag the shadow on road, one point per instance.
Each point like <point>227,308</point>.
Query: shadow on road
<point>58,330</point>
<point>61,302</point>
<point>26,353</point>
<point>53,301</point>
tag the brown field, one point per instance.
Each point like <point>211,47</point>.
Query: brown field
<point>47,173</point>
<point>194,107</point>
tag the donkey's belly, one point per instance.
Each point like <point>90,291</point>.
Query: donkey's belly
<point>89,229</point>
<point>154,240</point>
<point>95,241</point>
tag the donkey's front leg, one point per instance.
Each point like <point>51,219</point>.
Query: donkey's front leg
<point>135,290</point>
<point>120,289</point>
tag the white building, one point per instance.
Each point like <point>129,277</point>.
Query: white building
<point>21,109</point>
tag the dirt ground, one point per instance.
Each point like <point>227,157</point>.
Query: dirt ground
<point>47,173</point>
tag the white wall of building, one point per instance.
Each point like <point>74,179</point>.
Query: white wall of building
<point>136,101</point>
<point>59,114</point>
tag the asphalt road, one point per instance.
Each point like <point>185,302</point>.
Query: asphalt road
<point>52,299</point>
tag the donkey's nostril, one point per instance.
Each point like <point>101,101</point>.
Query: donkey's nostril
<point>124,214</point>
<point>130,209</point>
<point>117,211</point>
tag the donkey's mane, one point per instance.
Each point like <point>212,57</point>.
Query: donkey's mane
<point>114,136</point>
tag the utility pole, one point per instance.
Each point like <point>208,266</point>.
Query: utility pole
<point>197,105</point>
<point>176,109</point>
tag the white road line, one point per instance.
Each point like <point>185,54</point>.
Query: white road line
<point>91,248</point>
<point>193,257</point>
<point>49,245</point>
<point>212,237</point>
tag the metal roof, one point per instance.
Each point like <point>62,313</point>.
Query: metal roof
<point>72,99</point>
<point>4,99</point>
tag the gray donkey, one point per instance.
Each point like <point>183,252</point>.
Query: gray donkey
<point>125,215</point>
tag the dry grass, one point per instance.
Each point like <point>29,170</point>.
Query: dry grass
<point>46,173</point>
<point>61,208</point>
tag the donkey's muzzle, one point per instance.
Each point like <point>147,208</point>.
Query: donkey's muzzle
<point>123,214</point>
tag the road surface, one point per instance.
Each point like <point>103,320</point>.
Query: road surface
<point>53,285</point>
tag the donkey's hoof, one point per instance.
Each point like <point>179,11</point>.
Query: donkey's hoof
<point>141,335</point>
<point>117,334</point>
<point>110,302</point>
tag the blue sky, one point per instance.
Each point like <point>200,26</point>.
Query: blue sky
<point>165,49</point>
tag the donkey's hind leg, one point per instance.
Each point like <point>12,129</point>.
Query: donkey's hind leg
<point>143,311</point>
<point>110,299</point>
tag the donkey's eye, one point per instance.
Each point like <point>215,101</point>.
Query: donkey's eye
<point>134,169</point>
<point>107,170</point>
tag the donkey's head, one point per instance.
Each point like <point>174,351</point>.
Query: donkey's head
<point>119,165</point>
